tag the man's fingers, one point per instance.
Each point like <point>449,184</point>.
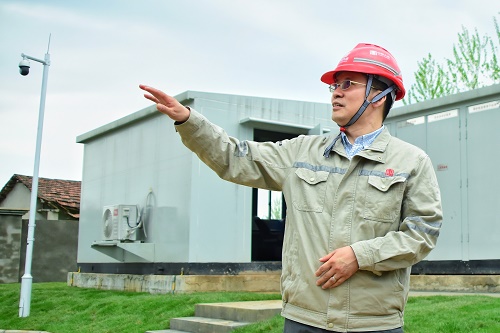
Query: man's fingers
<point>329,280</point>
<point>149,89</point>
<point>327,257</point>
<point>163,109</point>
<point>166,104</point>
<point>153,92</point>
<point>146,88</point>
<point>326,266</point>
<point>324,273</point>
<point>332,282</point>
<point>152,98</point>
<point>321,270</point>
<point>322,280</point>
<point>329,283</point>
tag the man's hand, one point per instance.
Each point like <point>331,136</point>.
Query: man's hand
<point>166,104</point>
<point>338,266</point>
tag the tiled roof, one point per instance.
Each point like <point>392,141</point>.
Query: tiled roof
<point>61,193</point>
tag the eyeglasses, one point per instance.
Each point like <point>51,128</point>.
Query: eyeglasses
<point>344,85</point>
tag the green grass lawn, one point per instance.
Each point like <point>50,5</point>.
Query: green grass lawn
<point>433,314</point>
<point>57,308</point>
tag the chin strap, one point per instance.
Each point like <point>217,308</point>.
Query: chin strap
<point>361,110</point>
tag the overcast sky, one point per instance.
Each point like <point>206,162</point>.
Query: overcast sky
<point>102,50</point>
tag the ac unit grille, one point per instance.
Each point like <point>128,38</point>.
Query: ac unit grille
<point>118,222</point>
<point>108,224</point>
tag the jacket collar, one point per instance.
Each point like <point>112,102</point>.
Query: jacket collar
<point>375,152</point>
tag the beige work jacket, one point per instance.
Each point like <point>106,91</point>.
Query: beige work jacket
<point>384,203</point>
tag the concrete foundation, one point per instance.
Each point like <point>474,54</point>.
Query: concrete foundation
<point>260,283</point>
<point>456,283</point>
<point>177,283</point>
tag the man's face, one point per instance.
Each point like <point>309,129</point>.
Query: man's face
<point>347,102</point>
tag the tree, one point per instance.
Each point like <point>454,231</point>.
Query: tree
<point>494,65</point>
<point>276,213</point>
<point>432,81</point>
<point>474,64</point>
<point>470,64</point>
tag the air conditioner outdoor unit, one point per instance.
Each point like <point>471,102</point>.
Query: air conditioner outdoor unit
<point>119,223</point>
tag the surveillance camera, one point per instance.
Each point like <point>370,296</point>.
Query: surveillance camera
<point>24,67</point>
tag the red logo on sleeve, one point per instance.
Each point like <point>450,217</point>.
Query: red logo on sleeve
<point>389,172</point>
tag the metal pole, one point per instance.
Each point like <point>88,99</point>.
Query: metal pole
<point>27,279</point>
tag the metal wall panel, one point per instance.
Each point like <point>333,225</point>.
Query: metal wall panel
<point>443,147</point>
<point>437,133</point>
<point>460,134</point>
<point>412,130</point>
<point>433,133</point>
<point>483,183</point>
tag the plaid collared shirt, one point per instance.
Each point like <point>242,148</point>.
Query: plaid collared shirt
<point>360,143</point>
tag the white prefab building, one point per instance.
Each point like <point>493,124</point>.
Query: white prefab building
<point>137,166</point>
<point>149,206</point>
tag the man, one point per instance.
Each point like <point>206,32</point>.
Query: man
<point>363,207</point>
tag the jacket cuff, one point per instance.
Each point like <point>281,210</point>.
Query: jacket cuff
<point>182,122</point>
<point>191,124</point>
<point>364,255</point>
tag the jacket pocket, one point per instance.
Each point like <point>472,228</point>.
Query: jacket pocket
<point>309,194</point>
<point>383,198</point>
<point>388,291</point>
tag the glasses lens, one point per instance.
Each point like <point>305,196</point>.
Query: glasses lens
<point>332,87</point>
<point>345,84</point>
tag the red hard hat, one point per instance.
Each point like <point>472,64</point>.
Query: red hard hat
<point>369,59</point>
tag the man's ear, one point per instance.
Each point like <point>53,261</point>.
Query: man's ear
<point>380,102</point>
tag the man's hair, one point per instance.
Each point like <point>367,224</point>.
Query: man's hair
<point>379,85</point>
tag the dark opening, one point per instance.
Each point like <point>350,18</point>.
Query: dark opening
<point>268,212</point>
